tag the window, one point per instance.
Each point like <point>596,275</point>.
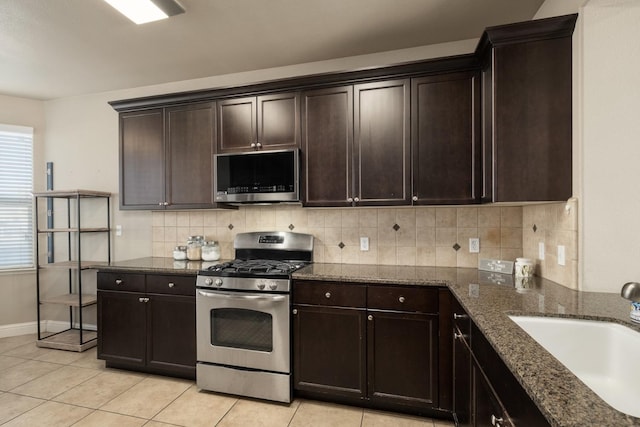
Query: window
<point>16,200</point>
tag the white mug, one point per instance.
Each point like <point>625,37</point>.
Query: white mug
<point>524,267</point>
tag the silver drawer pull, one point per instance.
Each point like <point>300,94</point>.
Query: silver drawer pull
<point>401,299</point>
<point>457,336</point>
<point>171,285</point>
<point>295,311</point>
<point>118,282</point>
<point>328,295</point>
<point>370,317</point>
<point>143,299</point>
<point>459,316</point>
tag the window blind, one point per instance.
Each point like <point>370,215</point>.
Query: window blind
<point>16,200</point>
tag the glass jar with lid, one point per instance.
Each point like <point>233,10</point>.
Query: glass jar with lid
<point>211,251</point>
<point>194,248</point>
<point>180,253</point>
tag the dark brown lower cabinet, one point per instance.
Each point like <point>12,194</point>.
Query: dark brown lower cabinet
<point>485,392</point>
<point>147,331</point>
<point>373,345</point>
<point>329,351</point>
<point>402,358</point>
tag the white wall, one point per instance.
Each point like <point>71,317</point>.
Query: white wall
<point>610,121</point>
<point>18,290</point>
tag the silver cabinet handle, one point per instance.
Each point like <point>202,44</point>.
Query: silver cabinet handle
<point>143,299</point>
<point>118,282</point>
<point>259,145</point>
<point>496,421</point>
<point>349,199</point>
<point>370,317</point>
<point>171,284</point>
<point>457,336</point>
<point>165,204</point>
<point>241,297</point>
<point>414,198</point>
<point>295,311</point>
<point>253,145</point>
<point>356,199</point>
<point>459,316</point>
<point>160,204</point>
<point>328,295</point>
<point>401,299</point>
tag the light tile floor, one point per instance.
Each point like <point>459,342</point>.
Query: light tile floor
<point>43,387</point>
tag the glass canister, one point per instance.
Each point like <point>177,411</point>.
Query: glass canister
<point>194,248</point>
<point>211,251</point>
<point>180,253</point>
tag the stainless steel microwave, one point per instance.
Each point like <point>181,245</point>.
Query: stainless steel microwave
<point>257,177</point>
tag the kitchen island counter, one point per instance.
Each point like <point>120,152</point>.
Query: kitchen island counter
<point>489,299</point>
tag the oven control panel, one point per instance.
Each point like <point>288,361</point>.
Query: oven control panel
<point>244,283</point>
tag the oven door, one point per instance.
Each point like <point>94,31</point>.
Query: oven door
<point>245,330</point>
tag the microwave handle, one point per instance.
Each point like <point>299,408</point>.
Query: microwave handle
<point>241,297</point>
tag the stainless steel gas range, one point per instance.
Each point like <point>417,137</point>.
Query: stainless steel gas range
<point>243,317</point>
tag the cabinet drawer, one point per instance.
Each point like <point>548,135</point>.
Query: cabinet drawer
<point>172,285</point>
<point>121,282</point>
<point>329,294</point>
<point>424,300</point>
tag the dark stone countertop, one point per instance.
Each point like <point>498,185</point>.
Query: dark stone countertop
<point>489,299</point>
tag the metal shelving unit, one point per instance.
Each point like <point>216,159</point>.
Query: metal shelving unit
<point>76,337</point>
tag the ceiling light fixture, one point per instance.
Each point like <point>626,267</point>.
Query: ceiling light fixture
<point>143,11</point>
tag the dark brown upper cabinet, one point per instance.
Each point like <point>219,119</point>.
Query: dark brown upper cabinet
<point>381,146</point>
<point>527,78</point>
<point>445,132</point>
<point>166,157</point>
<point>267,122</point>
<point>327,144</point>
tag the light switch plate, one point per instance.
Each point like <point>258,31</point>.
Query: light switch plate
<point>364,243</point>
<point>541,251</point>
<point>474,245</point>
<point>118,230</point>
<point>561,255</point>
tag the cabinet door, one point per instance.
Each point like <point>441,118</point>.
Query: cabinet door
<point>142,159</point>
<point>487,409</point>
<point>382,143</point>
<point>122,327</point>
<point>171,334</point>
<point>532,121</point>
<point>279,121</point>
<point>237,127</point>
<point>329,351</point>
<point>327,139</point>
<point>445,139</point>
<point>461,380</point>
<point>402,358</point>
<point>190,149</point>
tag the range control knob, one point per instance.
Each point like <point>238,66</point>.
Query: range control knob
<point>208,281</point>
<point>218,282</point>
<point>273,286</point>
<point>260,285</point>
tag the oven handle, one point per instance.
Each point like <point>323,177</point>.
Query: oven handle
<point>244,297</point>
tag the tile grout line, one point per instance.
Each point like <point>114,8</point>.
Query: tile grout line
<point>227,413</point>
<point>168,404</point>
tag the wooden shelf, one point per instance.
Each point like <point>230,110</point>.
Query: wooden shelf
<point>72,230</point>
<point>70,340</point>
<point>71,300</point>
<point>72,194</point>
<point>84,265</point>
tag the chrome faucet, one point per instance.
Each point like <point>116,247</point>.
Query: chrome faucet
<point>631,291</point>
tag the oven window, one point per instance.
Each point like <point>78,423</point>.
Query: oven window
<point>240,328</point>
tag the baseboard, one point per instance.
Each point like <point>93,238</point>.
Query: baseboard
<point>45,325</point>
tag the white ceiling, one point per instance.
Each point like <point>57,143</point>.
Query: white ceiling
<point>58,48</point>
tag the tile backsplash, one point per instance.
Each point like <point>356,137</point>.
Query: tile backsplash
<point>423,236</point>
<point>553,224</point>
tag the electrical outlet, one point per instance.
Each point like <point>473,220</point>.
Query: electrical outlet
<point>561,255</point>
<point>364,243</point>
<point>474,245</point>
<point>118,230</point>
<point>541,250</point>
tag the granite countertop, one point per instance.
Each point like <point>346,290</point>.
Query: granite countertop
<point>488,298</point>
